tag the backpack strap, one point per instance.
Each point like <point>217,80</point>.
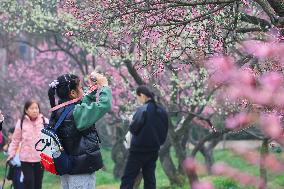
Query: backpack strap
<point>63,115</point>
<point>57,125</point>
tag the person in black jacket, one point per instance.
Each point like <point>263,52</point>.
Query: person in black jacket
<point>149,129</point>
<point>77,132</point>
<point>1,120</point>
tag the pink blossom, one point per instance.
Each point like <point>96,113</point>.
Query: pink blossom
<point>208,110</point>
<point>69,33</point>
<point>244,178</point>
<point>239,120</point>
<point>263,97</point>
<point>273,164</point>
<point>271,81</point>
<point>252,157</point>
<point>271,125</point>
<point>220,68</point>
<point>245,77</point>
<point>245,2</point>
<point>261,50</point>
<point>219,168</point>
<point>190,164</point>
<point>202,185</point>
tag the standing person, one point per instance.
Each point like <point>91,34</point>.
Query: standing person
<point>77,132</point>
<point>1,123</point>
<point>15,172</point>
<point>27,133</point>
<point>149,129</point>
<point>1,120</point>
<point>10,135</point>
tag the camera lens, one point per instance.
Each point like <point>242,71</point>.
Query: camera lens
<point>94,79</point>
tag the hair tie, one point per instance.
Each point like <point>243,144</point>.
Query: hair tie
<point>54,84</point>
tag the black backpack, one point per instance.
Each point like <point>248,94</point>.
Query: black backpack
<point>53,157</point>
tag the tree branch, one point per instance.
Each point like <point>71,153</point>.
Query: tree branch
<point>264,24</point>
<point>196,19</point>
<point>267,9</point>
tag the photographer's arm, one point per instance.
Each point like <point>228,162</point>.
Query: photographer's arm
<point>89,111</point>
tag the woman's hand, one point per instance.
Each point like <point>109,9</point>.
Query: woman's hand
<point>9,158</point>
<point>99,79</point>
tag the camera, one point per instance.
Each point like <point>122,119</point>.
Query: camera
<point>93,79</point>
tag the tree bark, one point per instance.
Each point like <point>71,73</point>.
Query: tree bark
<point>207,152</point>
<point>119,154</point>
<point>168,165</point>
<point>205,139</point>
<point>263,171</point>
<point>179,150</point>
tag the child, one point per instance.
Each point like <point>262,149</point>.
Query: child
<point>77,132</point>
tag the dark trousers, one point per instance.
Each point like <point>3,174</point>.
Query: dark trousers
<point>17,184</point>
<point>135,162</point>
<point>33,174</point>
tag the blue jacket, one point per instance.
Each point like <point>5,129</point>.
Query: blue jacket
<point>149,128</point>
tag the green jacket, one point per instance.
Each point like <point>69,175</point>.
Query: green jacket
<point>89,111</point>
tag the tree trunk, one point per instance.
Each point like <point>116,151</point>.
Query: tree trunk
<point>208,156</point>
<point>180,152</point>
<point>119,153</point>
<point>263,171</point>
<point>168,165</point>
<point>209,137</point>
<point>119,156</point>
<point>207,152</point>
<point>177,144</point>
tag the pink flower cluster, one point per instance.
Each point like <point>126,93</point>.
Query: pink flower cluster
<point>269,161</point>
<point>202,185</point>
<point>240,120</point>
<point>234,174</point>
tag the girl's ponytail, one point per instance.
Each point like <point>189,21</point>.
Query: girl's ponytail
<point>51,96</point>
<point>62,87</point>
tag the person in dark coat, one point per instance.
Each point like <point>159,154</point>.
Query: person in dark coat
<point>149,129</point>
<point>1,120</point>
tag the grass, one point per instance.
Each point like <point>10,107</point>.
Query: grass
<point>105,179</point>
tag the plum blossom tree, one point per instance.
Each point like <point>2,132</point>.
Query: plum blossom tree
<point>263,84</point>
<point>29,79</point>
